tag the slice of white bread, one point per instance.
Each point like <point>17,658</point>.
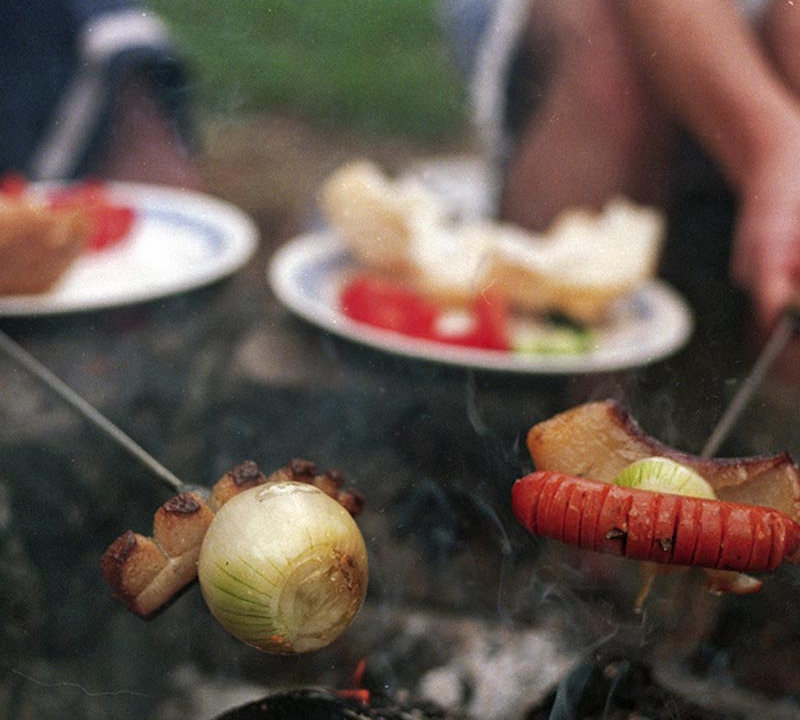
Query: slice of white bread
<point>376,215</point>
<point>583,264</point>
<point>579,268</point>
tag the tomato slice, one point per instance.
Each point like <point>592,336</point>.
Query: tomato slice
<point>111,221</point>
<point>112,224</point>
<point>389,306</point>
<point>490,321</point>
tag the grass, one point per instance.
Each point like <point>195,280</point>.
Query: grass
<point>376,65</point>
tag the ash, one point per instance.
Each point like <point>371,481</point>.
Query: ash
<point>437,664</point>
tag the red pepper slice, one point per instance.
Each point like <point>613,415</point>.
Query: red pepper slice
<point>573,515</point>
<point>707,549</point>
<point>595,497</point>
<point>664,529</point>
<point>761,550</point>
<point>735,549</point>
<point>687,531</point>
<point>612,522</point>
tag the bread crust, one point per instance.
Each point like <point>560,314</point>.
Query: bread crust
<point>38,244</point>
<point>578,268</point>
<point>147,572</point>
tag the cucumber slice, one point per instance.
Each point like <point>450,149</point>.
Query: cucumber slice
<point>660,474</point>
<point>553,340</point>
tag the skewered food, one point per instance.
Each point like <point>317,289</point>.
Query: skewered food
<point>602,484</point>
<point>658,526</point>
<point>147,572</point>
<point>291,532</point>
<point>661,474</point>
<point>599,440</point>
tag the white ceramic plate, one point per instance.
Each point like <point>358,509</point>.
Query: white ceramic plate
<point>307,274</point>
<point>180,240</point>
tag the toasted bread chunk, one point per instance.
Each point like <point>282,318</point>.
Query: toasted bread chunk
<point>241,478</point>
<point>376,215</point>
<point>582,264</point>
<point>147,572</point>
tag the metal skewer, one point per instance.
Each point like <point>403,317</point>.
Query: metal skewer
<point>784,330</point>
<point>33,366</point>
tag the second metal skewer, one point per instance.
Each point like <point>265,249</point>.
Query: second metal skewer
<point>785,329</point>
<point>35,368</point>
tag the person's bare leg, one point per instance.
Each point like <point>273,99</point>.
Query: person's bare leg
<point>142,146</point>
<point>781,32</point>
<point>596,132</point>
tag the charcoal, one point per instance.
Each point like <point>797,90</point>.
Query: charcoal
<point>317,704</point>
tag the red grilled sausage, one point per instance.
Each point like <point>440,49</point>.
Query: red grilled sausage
<point>660,527</point>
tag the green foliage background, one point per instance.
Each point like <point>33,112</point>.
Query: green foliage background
<point>378,65</point>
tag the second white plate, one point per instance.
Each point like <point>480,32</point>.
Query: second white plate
<point>307,275</point>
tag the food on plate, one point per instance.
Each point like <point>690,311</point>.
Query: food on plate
<point>389,305</point>
<point>584,262</point>
<point>379,218</point>
<point>38,243</point>
<point>578,269</point>
<point>43,232</point>
<point>292,532</point>
<point>558,337</point>
<point>601,483</point>
<point>484,322</point>
<point>111,220</point>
